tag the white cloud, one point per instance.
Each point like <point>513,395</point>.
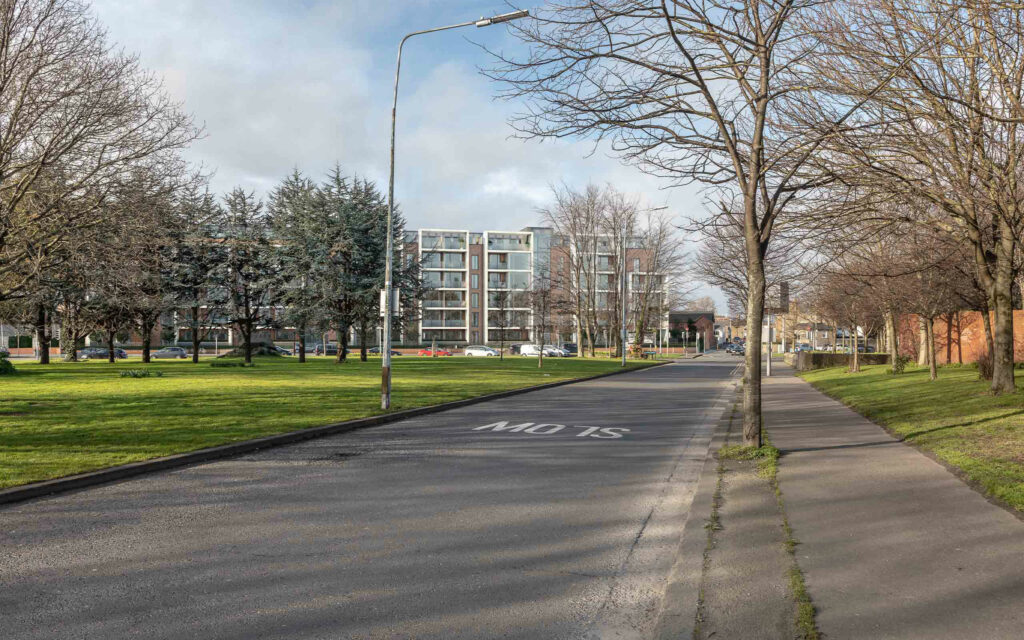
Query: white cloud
<point>306,84</point>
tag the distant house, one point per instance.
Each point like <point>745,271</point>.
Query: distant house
<point>814,333</point>
<point>684,325</point>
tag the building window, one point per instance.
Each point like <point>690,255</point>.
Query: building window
<point>475,300</point>
<point>474,262</point>
<point>636,264</point>
<point>476,319</point>
<point>475,280</point>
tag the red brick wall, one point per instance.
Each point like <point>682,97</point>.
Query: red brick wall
<point>970,336</point>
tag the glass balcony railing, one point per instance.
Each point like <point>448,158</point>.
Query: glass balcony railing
<point>508,243</point>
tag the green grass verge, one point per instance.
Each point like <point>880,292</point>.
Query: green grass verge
<point>67,418</point>
<point>955,418</point>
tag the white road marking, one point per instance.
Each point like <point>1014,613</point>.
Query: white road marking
<point>546,429</point>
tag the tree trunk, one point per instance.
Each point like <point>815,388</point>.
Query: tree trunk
<point>147,338</point>
<point>1002,360</point>
<point>42,334</point>
<point>930,329</point>
<point>949,338</point>
<point>892,338</point>
<point>855,356</point>
<point>986,324</point>
<point>196,338</point>
<point>342,344</point>
<point>959,339</point>
<point>581,348</point>
<point>110,347</point>
<point>922,341</point>
<point>246,330</point>
<point>752,355</point>
<point>302,344</point>
<point>362,343</point>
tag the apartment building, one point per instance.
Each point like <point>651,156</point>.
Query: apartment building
<point>472,275</point>
<point>468,273</point>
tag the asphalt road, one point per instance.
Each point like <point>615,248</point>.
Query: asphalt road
<point>464,524</point>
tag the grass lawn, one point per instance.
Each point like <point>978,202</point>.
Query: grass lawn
<point>953,417</point>
<point>67,418</point>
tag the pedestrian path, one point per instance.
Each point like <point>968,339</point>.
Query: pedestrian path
<point>892,544</point>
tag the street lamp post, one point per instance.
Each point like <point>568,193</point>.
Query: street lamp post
<point>625,279</point>
<point>385,379</point>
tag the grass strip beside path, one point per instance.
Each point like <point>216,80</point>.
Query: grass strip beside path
<point>67,418</point>
<point>955,418</point>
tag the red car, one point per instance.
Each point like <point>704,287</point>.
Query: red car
<point>428,352</point>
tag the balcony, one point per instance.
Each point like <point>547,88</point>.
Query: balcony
<point>433,242</point>
<point>510,242</point>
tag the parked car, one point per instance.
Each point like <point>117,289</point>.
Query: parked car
<point>99,353</point>
<point>551,351</point>
<point>529,350</point>
<point>439,352</point>
<point>169,352</point>
<point>480,351</point>
<point>571,349</point>
<point>804,347</point>
<point>377,351</point>
<point>331,350</point>
<point>548,350</point>
<point>282,351</point>
<point>514,349</point>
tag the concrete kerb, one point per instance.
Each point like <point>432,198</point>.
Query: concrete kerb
<point>126,471</point>
<point>678,616</point>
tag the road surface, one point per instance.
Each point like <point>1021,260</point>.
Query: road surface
<point>553,514</point>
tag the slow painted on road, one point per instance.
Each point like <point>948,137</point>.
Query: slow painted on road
<point>553,514</point>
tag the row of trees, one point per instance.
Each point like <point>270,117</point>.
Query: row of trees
<point>803,118</point>
<point>589,224</point>
<point>311,258</point>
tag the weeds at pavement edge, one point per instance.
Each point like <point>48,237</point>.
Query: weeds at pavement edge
<point>767,457</point>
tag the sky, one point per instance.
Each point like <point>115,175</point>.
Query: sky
<point>307,84</point>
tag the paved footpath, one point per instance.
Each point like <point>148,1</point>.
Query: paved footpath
<point>892,544</point>
<point>553,514</point>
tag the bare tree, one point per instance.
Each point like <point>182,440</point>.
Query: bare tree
<point>575,219</point>
<point>943,124</point>
<point>499,317</point>
<point>704,303</point>
<point>662,265</point>
<point>688,90</point>
<point>542,301</point>
<point>80,116</point>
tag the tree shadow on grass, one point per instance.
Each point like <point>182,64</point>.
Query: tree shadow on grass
<point>915,434</point>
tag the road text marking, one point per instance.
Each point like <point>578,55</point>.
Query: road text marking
<point>546,429</point>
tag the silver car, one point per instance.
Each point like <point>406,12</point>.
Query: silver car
<point>480,351</point>
<point>170,352</point>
